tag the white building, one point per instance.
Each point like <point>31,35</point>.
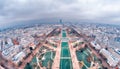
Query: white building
<point>6,43</point>
<point>111,60</point>
<point>10,52</point>
<point>25,40</point>
<point>95,45</point>
<point>9,41</point>
<point>118,51</point>
<point>17,58</point>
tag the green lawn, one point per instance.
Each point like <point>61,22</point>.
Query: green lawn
<point>82,56</point>
<point>63,33</point>
<point>49,56</point>
<point>29,65</point>
<point>65,52</point>
<point>64,44</point>
<point>65,61</point>
<point>66,64</point>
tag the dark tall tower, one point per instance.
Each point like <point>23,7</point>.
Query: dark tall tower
<point>60,21</point>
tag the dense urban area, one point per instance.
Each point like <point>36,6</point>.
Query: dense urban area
<point>60,46</point>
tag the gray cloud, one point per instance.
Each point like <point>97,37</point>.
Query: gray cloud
<point>106,11</point>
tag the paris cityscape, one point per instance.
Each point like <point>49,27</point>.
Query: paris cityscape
<point>54,46</point>
<point>48,34</point>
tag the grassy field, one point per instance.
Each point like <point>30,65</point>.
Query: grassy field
<point>65,64</point>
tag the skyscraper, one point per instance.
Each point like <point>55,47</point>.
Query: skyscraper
<point>60,21</point>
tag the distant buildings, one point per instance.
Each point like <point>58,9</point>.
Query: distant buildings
<point>15,44</point>
<point>10,52</point>
<point>105,37</point>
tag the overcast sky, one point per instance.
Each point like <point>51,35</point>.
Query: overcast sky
<point>97,11</point>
